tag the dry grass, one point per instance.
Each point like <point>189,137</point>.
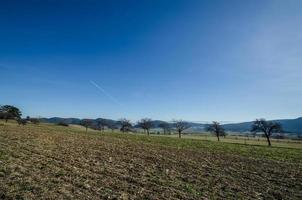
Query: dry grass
<point>52,162</point>
<point>288,143</point>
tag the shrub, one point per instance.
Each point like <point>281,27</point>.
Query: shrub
<point>34,120</point>
<point>22,121</point>
<point>62,124</point>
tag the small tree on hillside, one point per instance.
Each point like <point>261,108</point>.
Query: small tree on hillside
<point>180,126</point>
<point>165,126</point>
<point>10,112</point>
<point>125,125</point>
<point>145,124</point>
<point>216,129</point>
<point>86,123</point>
<point>101,124</point>
<point>266,127</point>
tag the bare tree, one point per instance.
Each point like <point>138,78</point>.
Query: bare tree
<point>165,126</point>
<point>180,126</point>
<point>145,124</point>
<point>267,127</point>
<point>101,124</point>
<point>125,125</point>
<point>86,123</point>
<point>112,126</point>
<point>216,129</point>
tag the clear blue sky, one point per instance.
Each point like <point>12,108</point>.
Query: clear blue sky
<point>167,59</point>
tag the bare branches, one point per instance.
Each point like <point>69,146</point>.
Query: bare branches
<point>165,126</point>
<point>86,123</point>
<point>125,125</point>
<point>101,124</point>
<point>266,127</point>
<point>145,124</point>
<point>180,126</point>
<point>216,129</point>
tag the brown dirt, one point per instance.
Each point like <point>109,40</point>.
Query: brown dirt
<point>52,163</point>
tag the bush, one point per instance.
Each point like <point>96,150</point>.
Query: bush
<point>62,124</point>
<point>34,120</point>
<point>22,121</point>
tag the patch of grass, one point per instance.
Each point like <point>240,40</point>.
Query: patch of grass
<point>253,151</point>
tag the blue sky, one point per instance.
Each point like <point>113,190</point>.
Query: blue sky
<point>194,60</point>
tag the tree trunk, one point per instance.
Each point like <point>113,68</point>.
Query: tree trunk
<point>6,119</point>
<point>268,140</point>
<point>179,134</point>
<point>148,132</point>
<point>218,138</point>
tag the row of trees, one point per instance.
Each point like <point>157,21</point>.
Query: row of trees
<point>259,125</point>
<point>146,124</point>
<point>100,124</point>
<point>125,125</point>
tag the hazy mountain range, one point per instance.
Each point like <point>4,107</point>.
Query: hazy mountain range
<point>289,125</point>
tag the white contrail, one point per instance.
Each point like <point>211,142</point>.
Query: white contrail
<point>106,93</point>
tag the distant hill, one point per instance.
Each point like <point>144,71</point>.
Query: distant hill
<point>56,120</point>
<point>289,125</point>
<point>77,121</point>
